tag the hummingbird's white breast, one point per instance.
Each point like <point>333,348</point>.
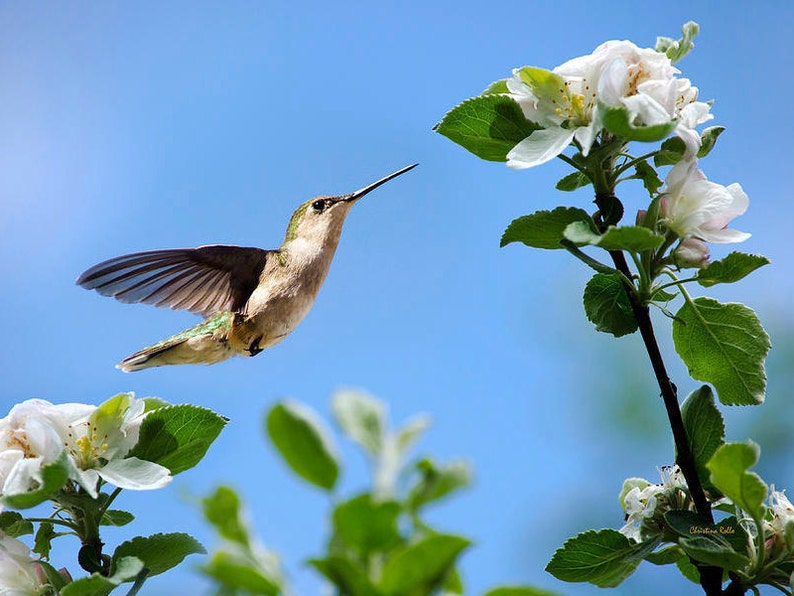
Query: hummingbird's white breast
<point>286,292</point>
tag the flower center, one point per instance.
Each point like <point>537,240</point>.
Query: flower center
<point>573,106</point>
<point>86,447</point>
<point>19,440</point>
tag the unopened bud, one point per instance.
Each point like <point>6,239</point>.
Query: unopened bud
<point>691,253</point>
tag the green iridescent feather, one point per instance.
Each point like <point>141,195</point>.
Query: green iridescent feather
<point>221,321</point>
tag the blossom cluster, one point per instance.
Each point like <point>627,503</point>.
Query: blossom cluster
<point>570,104</point>
<point>571,101</point>
<point>91,442</point>
<point>645,503</point>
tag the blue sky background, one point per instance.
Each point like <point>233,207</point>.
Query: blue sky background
<point>128,128</point>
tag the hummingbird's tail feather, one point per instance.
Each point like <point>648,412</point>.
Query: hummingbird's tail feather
<point>206,343</point>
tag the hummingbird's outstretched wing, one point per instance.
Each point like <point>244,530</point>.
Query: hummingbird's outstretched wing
<point>203,280</point>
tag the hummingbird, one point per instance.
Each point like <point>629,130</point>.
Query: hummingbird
<point>251,298</point>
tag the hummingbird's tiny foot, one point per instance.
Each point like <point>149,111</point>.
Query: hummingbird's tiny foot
<point>254,348</point>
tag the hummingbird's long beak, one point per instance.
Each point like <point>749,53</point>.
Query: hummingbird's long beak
<point>360,193</point>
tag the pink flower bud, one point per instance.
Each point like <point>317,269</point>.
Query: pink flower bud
<point>691,253</point>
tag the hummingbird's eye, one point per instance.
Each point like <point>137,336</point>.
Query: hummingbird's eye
<point>318,205</point>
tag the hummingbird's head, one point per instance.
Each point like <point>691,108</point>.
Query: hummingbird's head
<point>320,219</point>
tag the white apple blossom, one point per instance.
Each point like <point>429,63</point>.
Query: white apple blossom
<point>782,510</point>
<point>693,207</point>
<point>569,101</point>
<point>18,575</point>
<point>98,445</point>
<point>28,441</point>
<point>96,440</point>
<point>644,504</point>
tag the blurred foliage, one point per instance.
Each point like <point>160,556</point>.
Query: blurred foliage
<point>380,543</point>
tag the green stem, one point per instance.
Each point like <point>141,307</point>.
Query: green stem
<point>644,285</point>
<point>138,582</point>
<point>591,262</point>
<point>760,548</point>
<point>710,577</point>
<point>108,502</point>
<point>54,521</point>
<point>677,282</point>
<point>633,162</point>
<point>572,163</point>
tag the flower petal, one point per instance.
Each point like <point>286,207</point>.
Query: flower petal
<point>135,474</point>
<point>539,147</point>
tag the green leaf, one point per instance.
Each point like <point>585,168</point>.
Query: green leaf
<point>518,591</point>
<point>419,567</point>
<point>729,473</point>
<point>607,306</point>
<point>660,296</point>
<point>722,545</point>
<point>366,526</point>
<point>437,482</point>
<point>727,534</point>
<point>497,87</point>
<point>713,551</point>
<point>572,181</point>
<point>618,122</point>
<point>159,552</point>
<point>223,509</point>
<point>53,477</point>
<point>725,345</point>
<point>488,126</point>
<point>237,572</point>
<point>116,517</point>
<point>453,584</point>
<point>126,569</point>
<point>154,403</point>
<point>688,570</point>
<point>362,418</point>
<point>177,437</point>
<point>677,49</point>
<point>705,428</point>
<point>650,180</point>
<point>14,525</point>
<point>604,558</point>
<point>303,441</point>
<point>545,84</point>
<point>708,139</point>
<point>347,576</point>
<point>666,556</point>
<point>670,153</point>
<point>43,539</point>
<point>732,268</point>
<point>732,531</point>
<point>545,229</point>
<point>631,238</point>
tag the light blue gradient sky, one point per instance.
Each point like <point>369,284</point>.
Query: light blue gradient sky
<point>127,129</point>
